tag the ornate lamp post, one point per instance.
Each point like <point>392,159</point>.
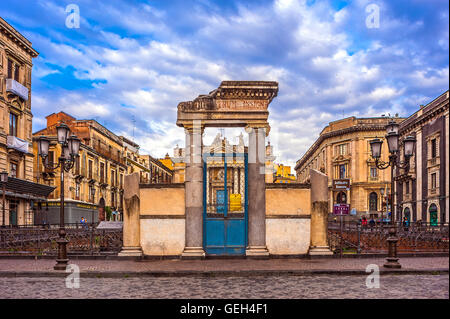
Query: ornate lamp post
<point>4,180</point>
<point>392,138</point>
<point>70,147</point>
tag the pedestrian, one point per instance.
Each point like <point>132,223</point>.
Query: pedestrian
<point>364,221</point>
<point>372,222</point>
<point>405,223</point>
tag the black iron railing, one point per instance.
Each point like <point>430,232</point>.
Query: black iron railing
<point>412,237</point>
<point>84,239</point>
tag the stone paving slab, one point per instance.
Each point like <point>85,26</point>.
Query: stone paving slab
<point>220,267</point>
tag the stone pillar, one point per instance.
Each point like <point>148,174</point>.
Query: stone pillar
<point>319,214</point>
<point>256,194</point>
<point>131,217</point>
<point>194,194</point>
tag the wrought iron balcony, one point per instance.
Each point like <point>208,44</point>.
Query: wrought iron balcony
<point>18,89</point>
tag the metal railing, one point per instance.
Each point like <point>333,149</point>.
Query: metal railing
<point>412,237</point>
<point>84,239</point>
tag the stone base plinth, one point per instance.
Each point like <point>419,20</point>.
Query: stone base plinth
<point>320,251</point>
<point>257,252</point>
<point>130,252</point>
<point>193,253</point>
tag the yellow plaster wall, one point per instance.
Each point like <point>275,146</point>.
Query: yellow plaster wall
<point>287,201</point>
<point>162,201</point>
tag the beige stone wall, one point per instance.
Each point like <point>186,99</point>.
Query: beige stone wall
<point>287,201</point>
<point>288,236</point>
<point>162,201</point>
<point>162,236</point>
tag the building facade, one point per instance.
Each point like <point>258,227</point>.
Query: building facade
<point>221,145</point>
<point>16,155</point>
<point>342,152</point>
<point>423,192</point>
<point>94,187</point>
<point>282,174</point>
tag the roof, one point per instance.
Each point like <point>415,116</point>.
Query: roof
<point>23,42</point>
<point>20,186</point>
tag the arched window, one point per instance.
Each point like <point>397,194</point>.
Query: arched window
<point>373,201</point>
<point>407,214</point>
<point>341,198</point>
<point>433,210</point>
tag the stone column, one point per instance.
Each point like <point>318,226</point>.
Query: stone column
<point>256,194</point>
<point>131,217</point>
<point>194,194</point>
<point>319,214</point>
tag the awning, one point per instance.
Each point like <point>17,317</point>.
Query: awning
<point>17,187</point>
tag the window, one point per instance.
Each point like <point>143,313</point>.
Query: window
<point>102,172</point>
<point>342,149</point>
<point>50,158</point>
<point>373,201</point>
<point>13,169</point>
<point>91,195</point>
<point>90,169</point>
<point>407,187</point>
<point>12,124</point>
<point>433,181</point>
<point>342,171</point>
<point>373,172</point>
<point>433,148</point>
<point>16,73</point>
<point>10,66</point>
<point>113,199</point>
<point>121,180</point>
<point>113,178</point>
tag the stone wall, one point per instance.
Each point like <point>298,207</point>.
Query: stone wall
<point>162,219</point>
<point>288,219</point>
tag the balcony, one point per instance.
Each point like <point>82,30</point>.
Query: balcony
<point>433,161</point>
<point>16,88</point>
<point>17,143</point>
<point>106,152</point>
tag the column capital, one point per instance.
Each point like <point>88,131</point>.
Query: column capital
<point>194,128</point>
<point>249,127</point>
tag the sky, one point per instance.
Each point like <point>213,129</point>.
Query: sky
<point>131,62</point>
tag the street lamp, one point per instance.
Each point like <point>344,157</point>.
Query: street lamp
<point>69,152</point>
<point>392,138</point>
<point>4,180</point>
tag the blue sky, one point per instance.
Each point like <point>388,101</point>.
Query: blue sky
<point>131,62</point>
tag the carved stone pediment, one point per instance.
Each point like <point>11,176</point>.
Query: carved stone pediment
<point>233,103</point>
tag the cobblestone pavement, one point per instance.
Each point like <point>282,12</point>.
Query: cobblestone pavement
<point>278,287</point>
<point>208,265</point>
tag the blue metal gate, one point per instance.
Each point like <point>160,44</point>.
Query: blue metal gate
<point>224,231</point>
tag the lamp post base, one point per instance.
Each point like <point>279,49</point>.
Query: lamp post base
<point>61,264</point>
<point>62,260</point>
<point>392,263</point>
<point>392,260</point>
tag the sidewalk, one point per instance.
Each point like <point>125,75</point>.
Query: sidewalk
<point>221,267</point>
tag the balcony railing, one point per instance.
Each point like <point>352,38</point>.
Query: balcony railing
<point>109,154</point>
<point>17,143</point>
<point>433,161</point>
<point>18,89</point>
